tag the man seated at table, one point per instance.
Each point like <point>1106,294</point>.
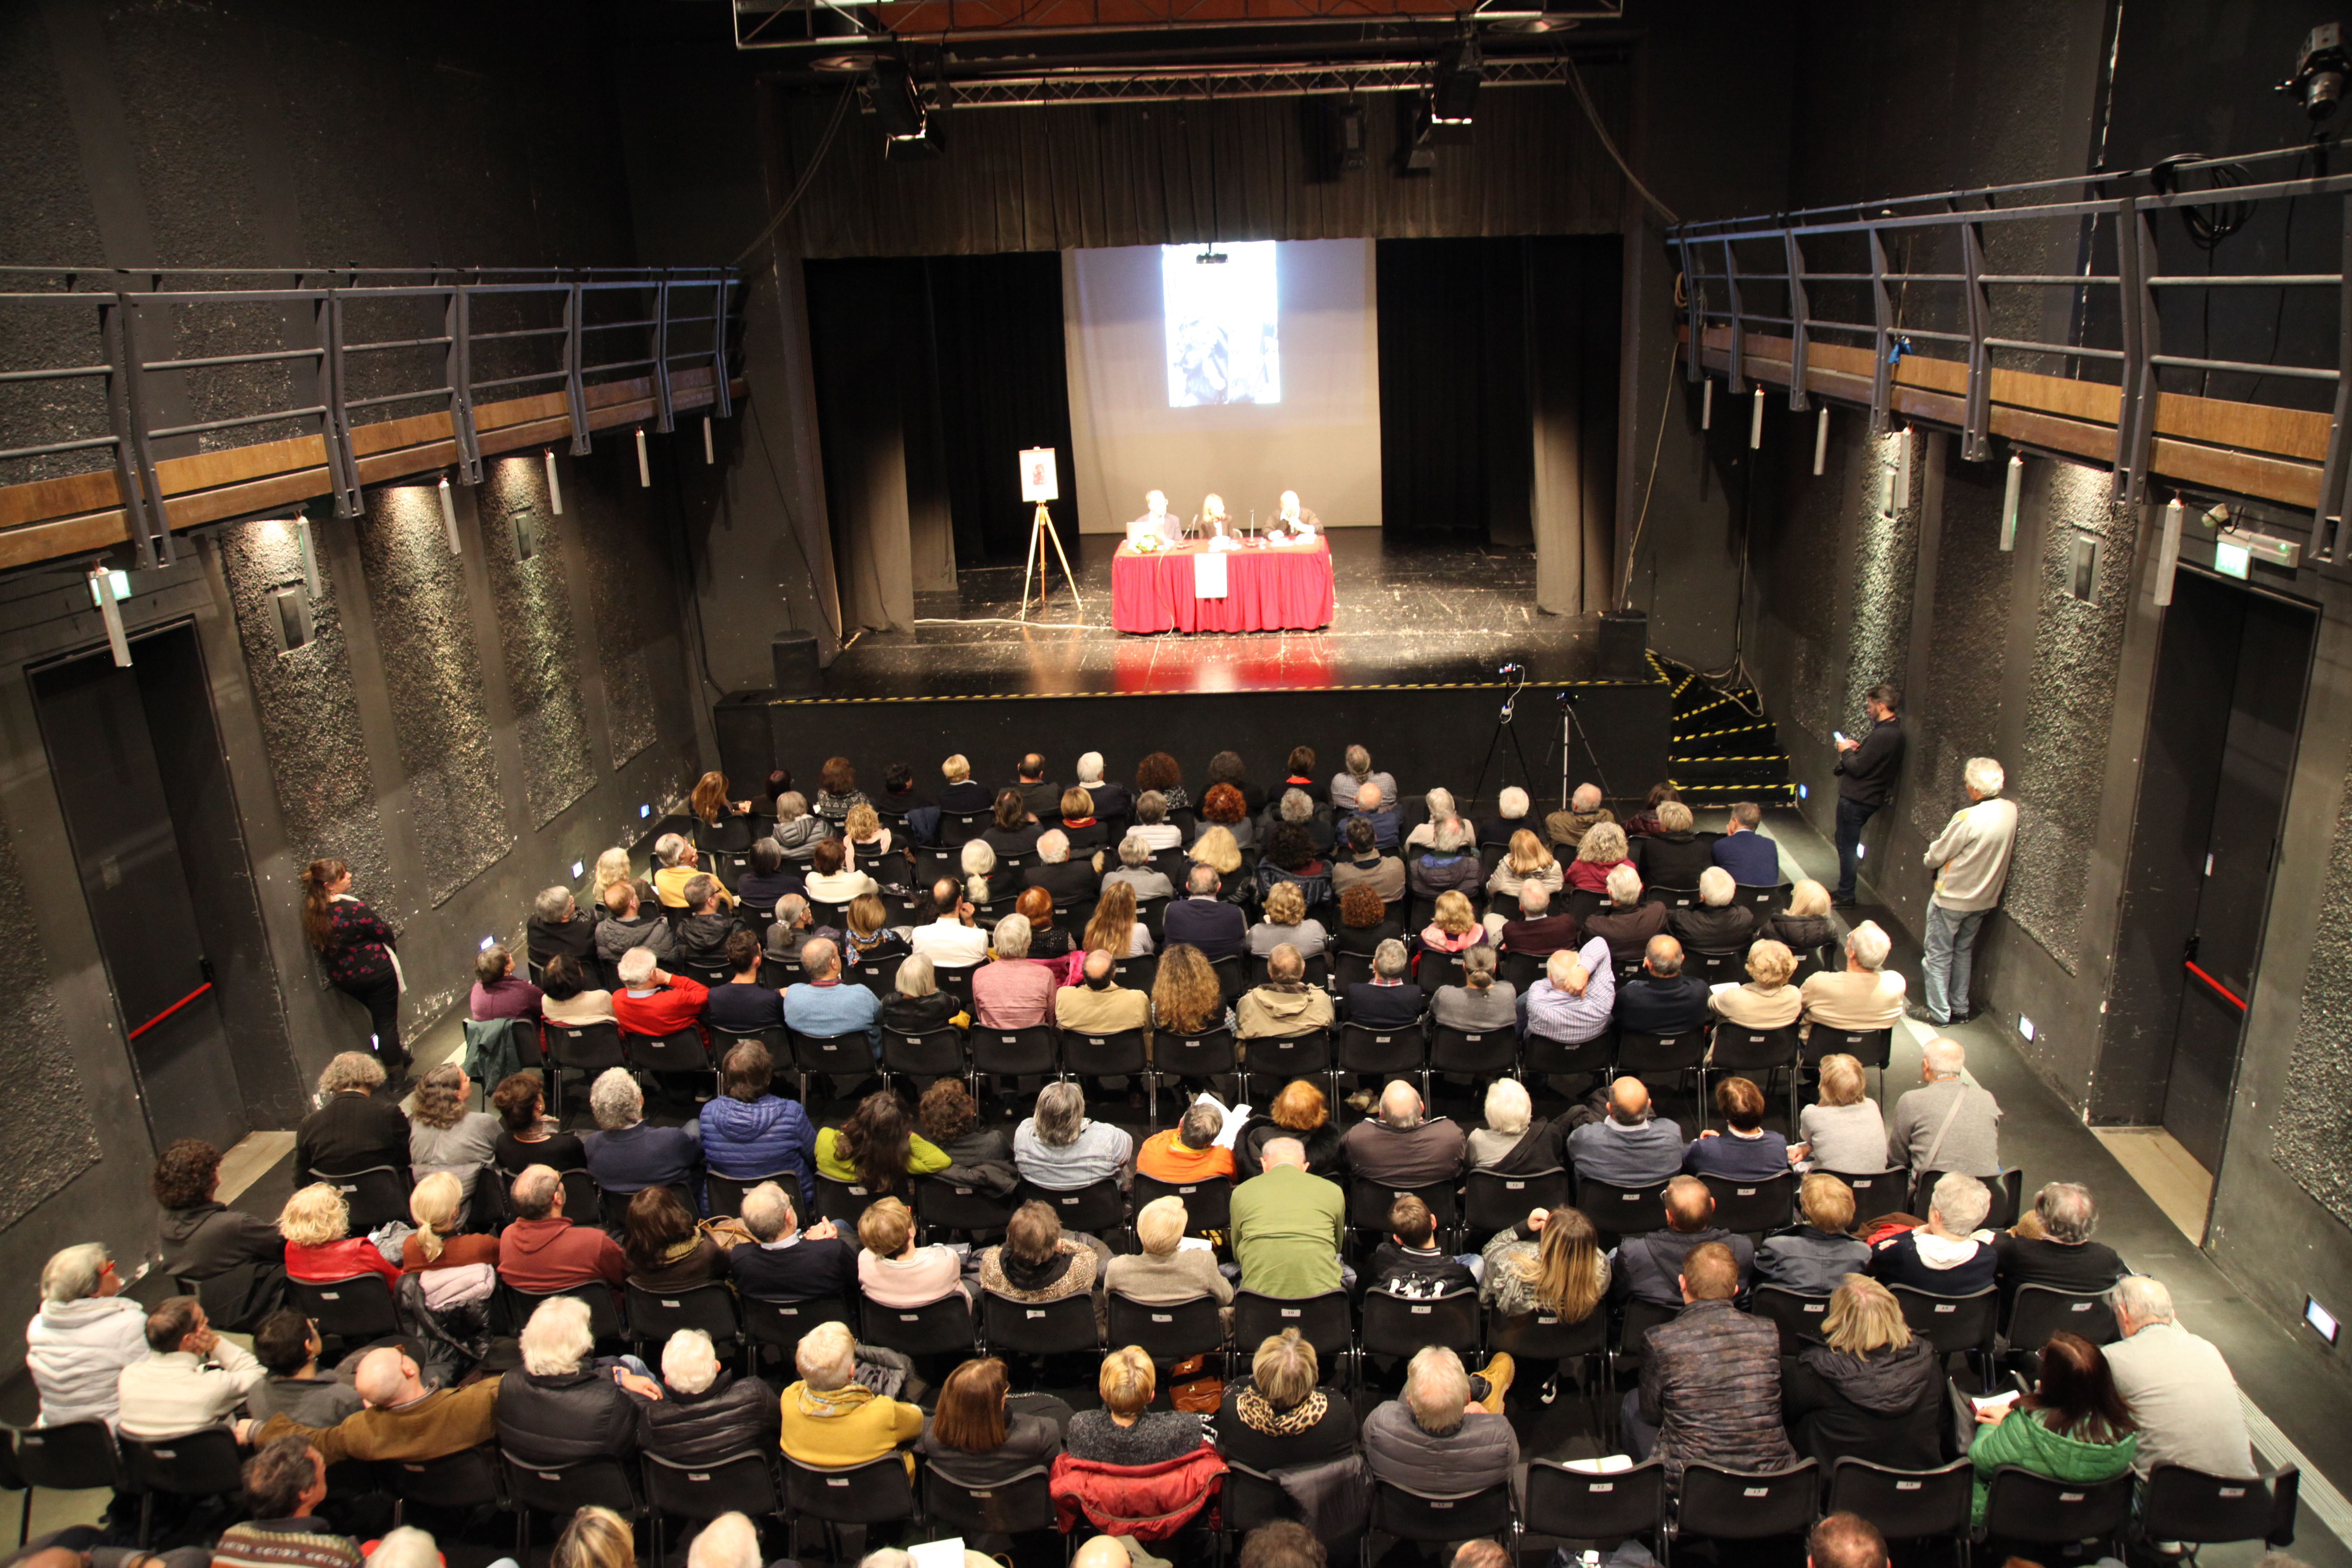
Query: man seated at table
<point>1291,515</point>
<point>1157,528</point>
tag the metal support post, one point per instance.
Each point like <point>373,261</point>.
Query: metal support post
<point>458,360</point>
<point>1695,313</point>
<point>575,395</point>
<point>1882,373</point>
<point>113,320</point>
<point>1800,338</point>
<point>1738,319</point>
<point>2327,547</point>
<point>662,421</point>
<point>1975,427</point>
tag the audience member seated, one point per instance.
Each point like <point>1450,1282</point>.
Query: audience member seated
<point>236,1260</point>
<point>1715,924</point>
<point>747,1131</point>
<point>84,1335</point>
<point>438,1205</point>
<point>1402,1147</point>
<point>703,932</point>
<point>1710,1389</point>
<point>1363,865</point>
<point>1511,805</point>
<point>1114,927</point>
<point>568,994</point>
<point>877,1148</point>
<point>631,1153</point>
<point>1813,1256</point>
<point>1163,1271</point>
<point>782,1262</point>
<point>764,887</point>
<point>1299,1112</point>
<point>1436,806</point>
<point>1748,1151</point>
<point>676,863</point>
<point>1479,1004</point>
<point>798,831</point>
<point>541,1250</point>
<point>832,878</point>
<point>1449,864</point>
<point>2063,1257</point>
<point>973,1438</point>
<point>1216,850</point>
<point>1300,775</point>
<point>825,1004</point>
<point>2074,1426</point>
<point>1277,1417</point>
<point>1662,999</point>
<point>1036,1263</point>
<point>1285,1004</point>
<point>564,1405</point>
<point>1843,1132</point>
<point>1186,997</point>
<point>352,1130</point>
<point>951,940</point>
<point>1527,864</point>
<point>1630,1147</point>
<point>1645,1267</point>
<point>1766,1000</point>
<point>1644,824</point>
<point>1872,1392</point>
<point>1137,871</point>
<point>1391,999</point>
<point>442,1135</point>
<point>1453,925</point>
<point>1060,1150</point>
<point>1295,839</point>
<point>1576,1001</point>
<point>405,1419</point>
<point>2179,1390</point>
<point>1927,1123</point>
<point>632,919</point>
<point>1409,1263</point>
<point>1549,1262</point>
<point>1288,1226</point>
<point>558,927</point>
<point>1535,931</point>
<point>831,1418</point>
<point>1124,1431</point>
<point>320,1247</point>
<point>1948,1256</point>
<point>654,1002</point>
<point>962,794</point>
<point>1047,940</point>
<point>742,1005</point>
<point>916,1004</point>
<point>869,937</point>
<point>977,860</point>
<point>1229,811</point>
<point>1151,824</point>
<point>1084,833</point>
<point>1440,1439</point>
<point>892,1271</point>
<point>1365,923</point>
<point>1013,991</point>
<point>1752,860</point>
<point>1188,1151</point>
<point>979,1156</point>
<point>1603,851</point>
<point>288,1345</point>
<point>190,1377</point>
<point>1040,796</point>
<point>1012,830</point>
<point>1359,772</point>
<point>1567,829</point>
<point>528,1135</point>
<point>1285,924</point>
<point>665,1250</point>
<point>1376,808</point>
<point>1514,1141</point>
<point>792,931</point>
<point>1808,925</point>
<point>1070,883</point>
<point>1675,856</point>
<point>706,1413</point>
<point>899,795</point>
<point>499,992</point>
<point>1626,923</point>
<point>1861,996</point>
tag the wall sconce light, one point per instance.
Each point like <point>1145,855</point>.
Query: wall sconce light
<point>554,485</point>
<point>644,464</point>
<point>710,449</point>
<point>1707,404</point>
<point>110,589</point>
<point>2168,554</point>
<point>1756,420</point>
<point>1903,469</point>
<point>1821,439</point>
<point>2009,494</point>
<point>312,582</point>
<point>449,517</point>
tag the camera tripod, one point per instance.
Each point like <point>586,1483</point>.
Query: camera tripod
<point>1503,726</point>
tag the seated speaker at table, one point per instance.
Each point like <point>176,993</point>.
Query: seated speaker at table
<point>1157,522</point>
<point>1297,519</point>
<point>1210,523</point>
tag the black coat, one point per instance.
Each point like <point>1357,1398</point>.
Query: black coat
<point>1866,773</point>
<point>568,1416</point>
<point>1887,1408</point>
<point>352,1133</point>
<point>574,938</point>
<point>237,1259</point>
<point>1070,882</point>
<point>1029,1443</point>
<point>734,1416</point>
<point>1673,860</point>
<point>1331,1438</point>
<point>1383,1007</point>
<point>1655,1005</point>
<point>805,1271</point>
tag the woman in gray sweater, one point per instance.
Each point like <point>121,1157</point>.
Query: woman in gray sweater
<point>1845,1131</point>
<point>1166,1273</point>
<point>1482,1002</point>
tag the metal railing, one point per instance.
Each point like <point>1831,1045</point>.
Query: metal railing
<point>572,327</point>
<point>2112,216</point>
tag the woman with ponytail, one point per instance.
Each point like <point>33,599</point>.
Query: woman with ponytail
<point>359,950</point>
<point>434,1205</point>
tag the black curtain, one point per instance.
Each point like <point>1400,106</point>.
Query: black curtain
<point>1455,420</point>
<point>1003,387</point>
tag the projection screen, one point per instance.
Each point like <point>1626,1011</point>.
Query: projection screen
<point>1246,376</point>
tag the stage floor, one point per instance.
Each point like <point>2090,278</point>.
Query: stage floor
<point>1408,613</point>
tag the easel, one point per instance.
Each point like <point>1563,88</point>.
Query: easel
<point>1042,528</point>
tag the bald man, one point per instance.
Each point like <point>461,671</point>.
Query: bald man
<point>1631,1147</point>
<point>1662,999</point>
<point>1288,1226</point>
<point>1647,1267</point>
<point>1102,1006</point>
<point>403,1419</point>
<point>1402,1147</point>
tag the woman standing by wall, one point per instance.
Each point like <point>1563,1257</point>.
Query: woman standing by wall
<point>359,949</point>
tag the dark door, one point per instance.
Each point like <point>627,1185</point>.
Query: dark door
<point>103,727</point>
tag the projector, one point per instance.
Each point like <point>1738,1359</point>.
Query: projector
<point>1211,257</point>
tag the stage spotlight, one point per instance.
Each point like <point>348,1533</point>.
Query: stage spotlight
<point>895,103</point>
<point>1347,137</point>
<point>1455,94</point>
<point>2320,67</point>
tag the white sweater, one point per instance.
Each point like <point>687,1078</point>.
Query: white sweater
<point>76,1349</point>
<point>174,1391</point>
<point>1973,850</point>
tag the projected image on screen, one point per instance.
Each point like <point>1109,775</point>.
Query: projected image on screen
<point>1222,318</point>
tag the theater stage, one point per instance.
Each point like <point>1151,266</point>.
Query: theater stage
<point>1408,668</point>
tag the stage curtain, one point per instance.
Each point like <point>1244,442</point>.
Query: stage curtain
<point>1572,293</point>
<point>859,328</point>
<point>1454,388</point>
<point>1002,387</point>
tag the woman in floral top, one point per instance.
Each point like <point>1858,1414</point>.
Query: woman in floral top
<point>359,950</point>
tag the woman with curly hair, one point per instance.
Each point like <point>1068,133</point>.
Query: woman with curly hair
<point>1114,927</point>
<point>360,952</point>
<point>868,840</point>
<point>1158,773</point>
<point>1226,806</point>
<point>1010,832</point>
<point>1364,921</point>
<point>1291,847</point>
<point>837,791</point>
<point>709,802</point>
<point>1603,851</point>
<point>442,1135</point>
<point>1185,996</point>
<point>320,1247</point>
<point>978,1155</point>
<point>1285,922</point>
<point>877,1148</point>
<point>238,1259</point>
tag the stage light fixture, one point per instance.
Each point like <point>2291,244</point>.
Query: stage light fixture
<point>1455,93</point>
<point>1210,256</point>
<point>1348,129</point>
<point>905,124</point>
<point>2320,68</point>
<point>1821,439</point>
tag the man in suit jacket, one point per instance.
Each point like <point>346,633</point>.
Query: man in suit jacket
<point>351,1130</point>
<point>787,1263</point>
<point>1753,860</point>
<point>1218,929</point>
<point>1662,999</point>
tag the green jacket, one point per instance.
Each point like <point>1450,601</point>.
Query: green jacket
<point>1287,1227</point>
<point>924,1158</point>
<point>2024,1441</point>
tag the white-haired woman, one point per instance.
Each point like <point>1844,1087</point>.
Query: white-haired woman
<point>320,1247</point>
<point>830,1418</point>
<point>1165,1272</point>
<point>564,1405</point>
<point>978,863</point>
<point>706,1412</point>
<point>1515,1140</point>
<point>1767,1001</point>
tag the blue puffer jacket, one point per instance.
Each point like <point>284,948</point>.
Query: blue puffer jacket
<point>758,1138</point>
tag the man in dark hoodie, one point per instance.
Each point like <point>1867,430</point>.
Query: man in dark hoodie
<point>236,1260</point>
<point>707,1413</point>
<point>1649,1268</point>
<point>1872,1392</point>
<point>1409,1263</point>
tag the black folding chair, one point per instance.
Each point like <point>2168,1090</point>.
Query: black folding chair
<point>1800,1317</point>
<point>880,1492</point>
<point>1367,1052</point>
<point>1738,1049</point>
<point>841,1202</point>
<point>1423,1517</point>
<point>1092,1210</point>
<point>1622,1211</point>
<point>1208,1204</point>
<point>655,1315</point>
<point>944,1327</point>
<point>1953,1325</point>
<point>1752,1208</point>
<point>1324,1321</point>
<point>603,1317</point>
<point>357,1309</point>
<point>1492,1202</point>
<point>377,1196</point>
<point>741,1483</point>
<point>1569,1504</point>
<point>1167,1334</point>
<point>76,1457</point>
<point>2039,1310</point>
<point>1250,1499</point>
<point>1116,1054</point>
<point>727,1193</point>
<point>1521,970</point>
<point>1011,1052</point>
<point>941,1205</point>
<point>879,975</point>
<point>1039,1328</point>
<point>1870,1047</point>
<point>933,1054</point>
<point>1204,1058</point>
<point>584,1048</point>
<point>1716,965</point>
<point>1716,1504</point>
<point>454,1483</point>
<point>1141,972</point>
<point>1650,1057</point>
<point>1481,1053</point>
<point>1881,1192</point>
<point>1542,1057</point>
<point>562,1491</point>
<point>2024,1507</point>
<point>684,1051</point>
<point>1906,1505</point>
<point>1017,1505</point>
<point>205,1463</point>
<point>2182,1504</point>
<point>2007,1192</point>
<point>1369,1203</point>
<point>780,1326</point>
<point>1398,1326</point>
<point>843,1059</point>
<point>1289,1057</point>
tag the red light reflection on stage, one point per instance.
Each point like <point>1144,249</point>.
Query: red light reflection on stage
<point>1177,664</point>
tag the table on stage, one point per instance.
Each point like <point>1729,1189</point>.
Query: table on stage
<point>1271,587</point>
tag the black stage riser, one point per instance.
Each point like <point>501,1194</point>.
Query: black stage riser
<point>1423,737</point>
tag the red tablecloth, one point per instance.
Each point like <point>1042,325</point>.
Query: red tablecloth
<point>1272,588</point>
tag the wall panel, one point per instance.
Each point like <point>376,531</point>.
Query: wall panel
<point>532,602</point>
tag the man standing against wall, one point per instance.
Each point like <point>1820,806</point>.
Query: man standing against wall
<point>1973,854</point>
<point>1865,770</point>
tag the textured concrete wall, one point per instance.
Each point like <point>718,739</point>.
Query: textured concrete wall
<point>2313,1132</point>
<point>1955,710</point>
<point>45,1117</point>
<point>533,607</point>
<point>1886,565</point>
<point>306,704</point>
<point>433,673</point>
<point>623,560</point>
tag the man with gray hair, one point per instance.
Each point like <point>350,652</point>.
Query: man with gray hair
<point>729,1541</point>
<point>2183,1399</point>
<point>1112,800</point>
<point>2063,1257</point>
<point>1449,863</point>
<point>1013,991</point>
<point>1439,1439</point>
<point>785,1263</point>
<point>1284,1004</point>
<point>1950,1123</point>
<point>1753,860</point>
<point>702,934</point>
<point>1136,869</point>
<point>541,1251</point>
<point>1567,828</point>
<point>84,1335</point>
<point>1971,858</point>
<point>630,1153</point>
<point>1511,805</point>
<point>706,1412</point>
<point>1071,882</point>
<point>822,1006</point>
<point>1577,997</point>
<point>558,927</point>
<point>1948,1256</point>
<point>1403,1147</point>
<point>564,1405</point>
<point>1392,998</point>
<point>680,863</point>
<point>1204,920</point>
<point>798,830</point>
<point>1535,931</point>
<point>654,1002</point>
<point>1866,994</point>
<point>351,1130</point>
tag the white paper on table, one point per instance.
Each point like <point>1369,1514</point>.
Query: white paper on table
<point>1208,575</point>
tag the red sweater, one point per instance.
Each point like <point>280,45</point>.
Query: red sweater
<point>674,1006</point>
<point>543,1254</point>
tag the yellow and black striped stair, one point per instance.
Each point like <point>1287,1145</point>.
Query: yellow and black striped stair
<point>1723,747</point>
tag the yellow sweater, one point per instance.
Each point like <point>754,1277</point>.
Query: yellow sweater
<point>857,1435</point>
<point>670,884</point>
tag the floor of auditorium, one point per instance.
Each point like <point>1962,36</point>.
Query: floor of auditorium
<point>2038,1134</point>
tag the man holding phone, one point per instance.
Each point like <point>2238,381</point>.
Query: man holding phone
<point>1865,770</point>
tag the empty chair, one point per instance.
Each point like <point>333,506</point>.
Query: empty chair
<point>933,1054</point>
<point>562,1491</point>
<point>1398,1326</point>
<point>843,1058</point>
<point>781,1326</point>
<point>1208,1203</point>
<point>584,1048</point>
<point>78,1455</point>
<point>1208,1055</point>
<point>1369,1202</point>
<point>2182,1504</point>
<point>1955,1325</point>
<point>200,1464</point>
<point>1168,1334</point>
<point>944,1327</point>
<point>1746,1505</point>
<point>1367,1052</point>
<point>1622,1211</point>
<point>869,1494</point>
<point>1491,1200</point>
<point>1039,1328</point>
<point>1287,1057</point>
<point>941,1205</point>
<point>654,1315</point>
<point>1481,1053</point>
<point>1324,1322</point>
<point>2039,1310</point>
<point>452,1484</point>
<point>1089,1210</point>
<point>1651,1057</point>
<point>1798,1316</point>
<point>2024,1507</point>
<point>1905,1505</point>
<point>1011,1052</point>
<point>1883,1191</point>
<point>358,1309</point>
<point>1578,1505</point>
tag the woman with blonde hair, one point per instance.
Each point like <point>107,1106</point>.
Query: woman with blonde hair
<point>1114,927</point>
<point>1125,1431</point>
<point>863,831</point>
<point>869,938</point>
<point>1844,1133</point>
<point>1529,860</point>
<point>1186,998</point>
<point>1164,1272</point>
<point>1280,1415</point>
<point>1079,824</point>
<point>319,1246</point>
<point>1603,851</point>
<point>436,1205</point>
<point>1285,922</point>
<point>1809,927</point>
<point>442,1135</point>
<point>1872,1392</point>
<point>1454,926</point>
<point>612,868</point>
<point>1767,1001</point>
<point>1549,1262</point>
<point>597,1538</point>
<point>1813,1257</point>
<point>1216,848</point>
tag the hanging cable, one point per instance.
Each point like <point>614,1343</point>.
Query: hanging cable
<point>825,146</point>
<point>1608,145</point>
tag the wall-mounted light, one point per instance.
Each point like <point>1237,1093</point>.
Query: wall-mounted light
<point>295,627</point>
<point>644,812</point>
<point>1903,447</point>
<point>645,463</point>
<point>2025,1025</point>
<point>525,544</point>
<point>118,585</point>
<point>1707,404</point>
<point>488,943</point>
<point>2167,554</point>
<point>308,549</point>
<point>1801,792</point>
<point>2012,488</point>
<point>579,869</point>
<point>449,517</point>
<point>1756,420</point>
<point>554,485</point>
<point>1821,439</point>
<point>110,589</point>
<point>710,449</point>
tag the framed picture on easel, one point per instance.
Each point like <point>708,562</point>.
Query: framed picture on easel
<point>1041,483</point>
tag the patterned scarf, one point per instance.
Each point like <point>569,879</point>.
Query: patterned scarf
<point>1260,1417</point>
<point>821,1404</point>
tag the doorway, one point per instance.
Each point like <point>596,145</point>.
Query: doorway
<point>2223,717</point>
<point>156,845</point>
